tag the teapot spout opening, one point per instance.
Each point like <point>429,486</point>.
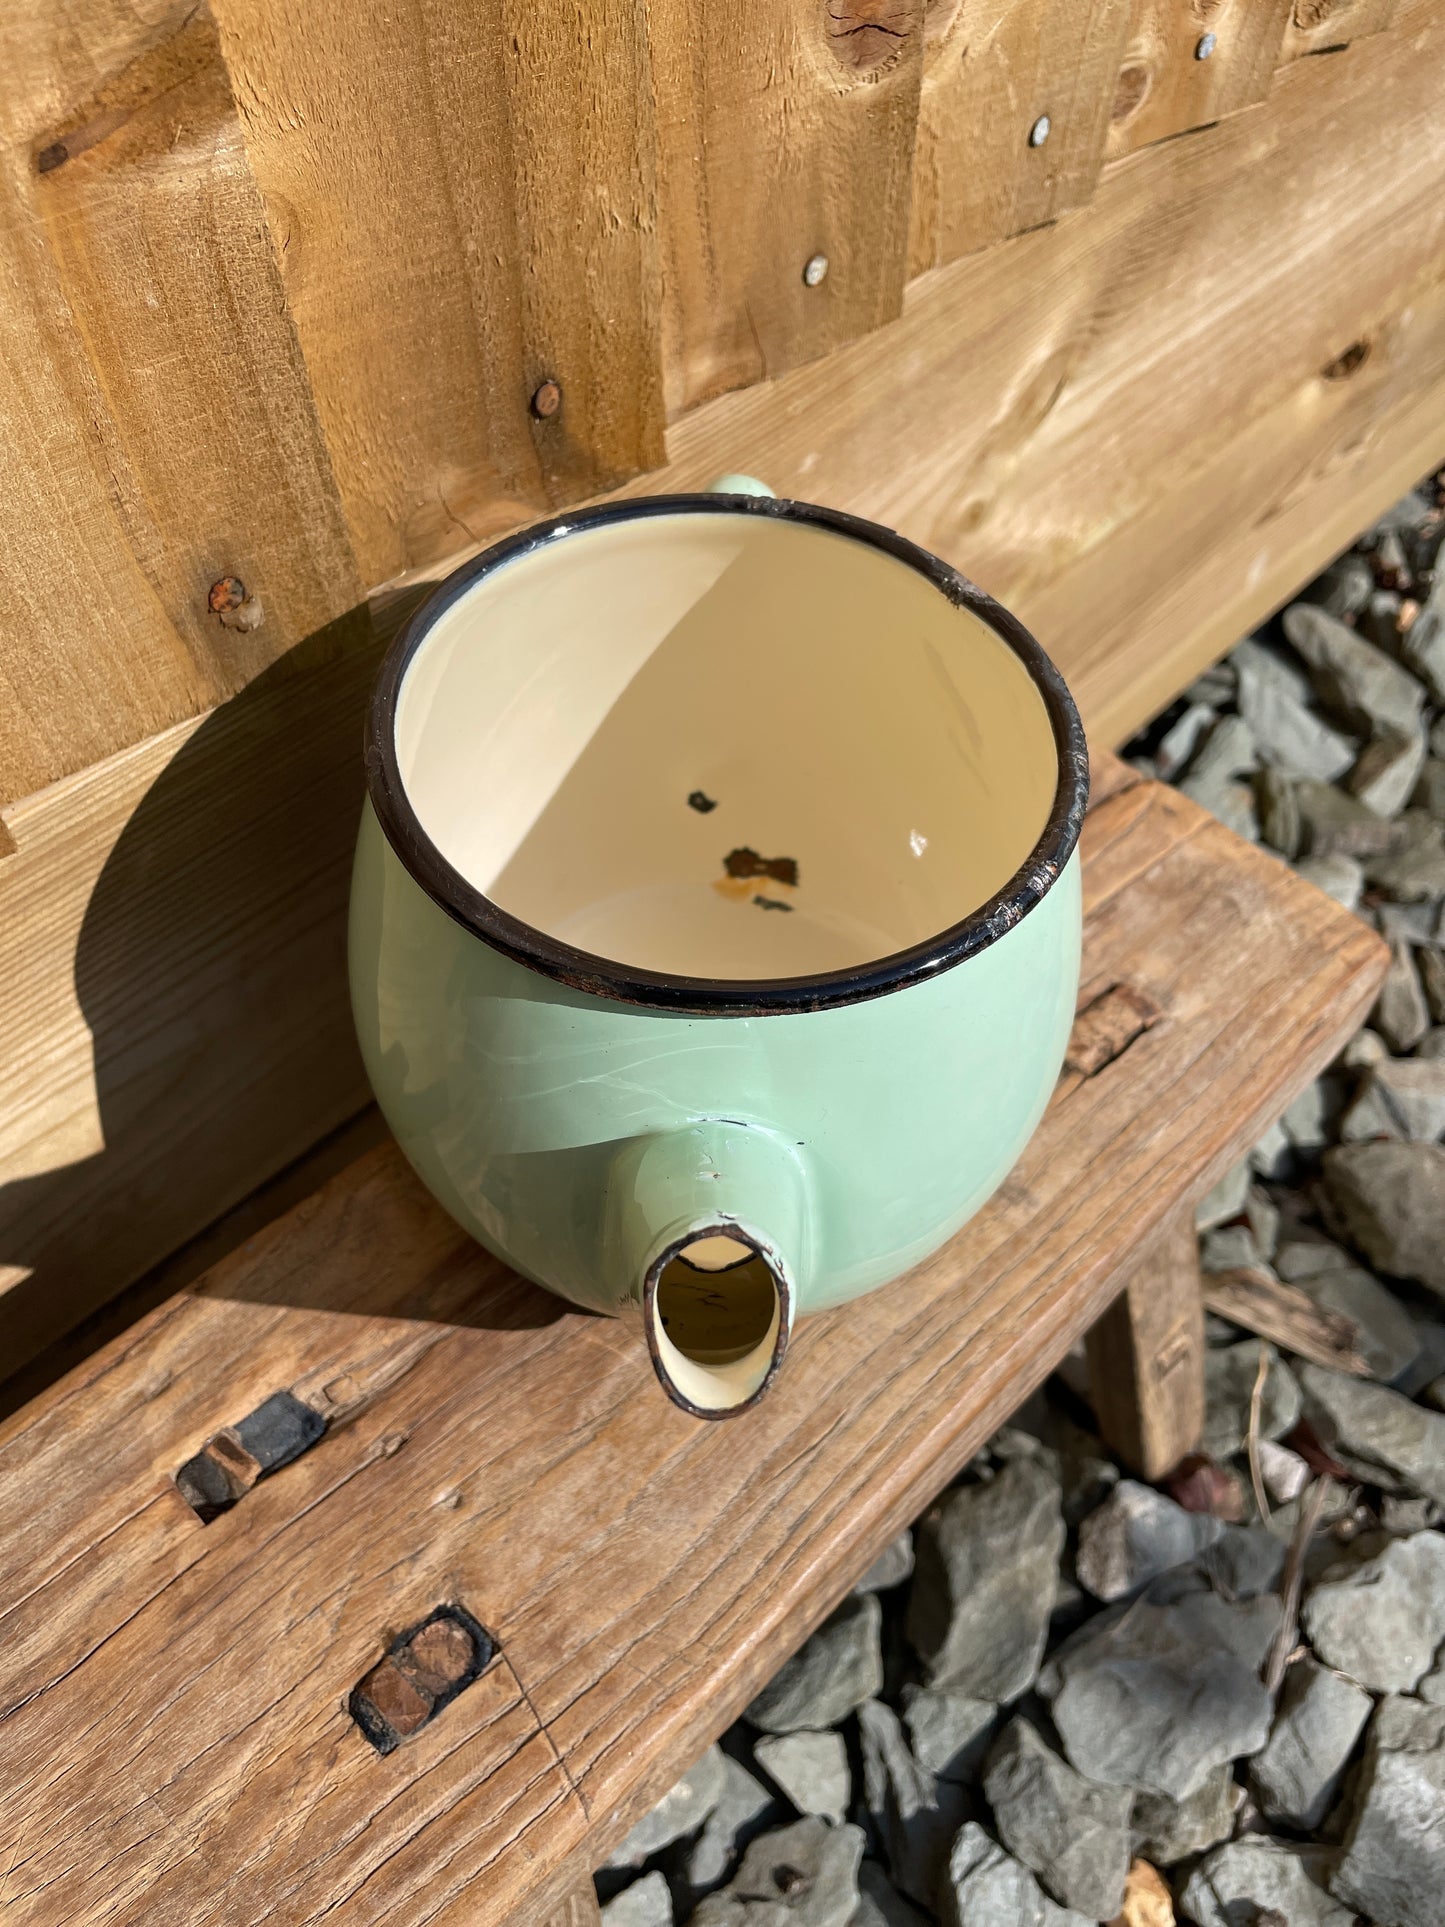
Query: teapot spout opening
<point>717,1312</point>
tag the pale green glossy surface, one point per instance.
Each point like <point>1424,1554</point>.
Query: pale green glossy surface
<point>853,1141</point>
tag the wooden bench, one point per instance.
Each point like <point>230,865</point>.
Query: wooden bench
<point>212,1722</point>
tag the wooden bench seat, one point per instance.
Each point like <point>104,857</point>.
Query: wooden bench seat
<point>179,1731</point>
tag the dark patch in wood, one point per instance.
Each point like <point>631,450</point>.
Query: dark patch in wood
<point>747,863</point>
<point>1348,363</point>
<point>225,593</point>
<point>700,801</point>
<point>771,903</point>
<point>424,1669</point>
<point>546,400</point>
<point>865,34</point>
<point>230,1462</point>
<point>49,158</point>
<point>1130,90</point>
<point>1106,1027</point>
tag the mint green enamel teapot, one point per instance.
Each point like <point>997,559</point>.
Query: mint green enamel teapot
<point>715,920</point>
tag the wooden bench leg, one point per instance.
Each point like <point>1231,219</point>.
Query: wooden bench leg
<point>580,1909</point>
<point>1146,1355</point>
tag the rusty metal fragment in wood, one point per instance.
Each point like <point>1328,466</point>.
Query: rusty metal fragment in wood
<point>231,1461</point>
<point>424,1670</point>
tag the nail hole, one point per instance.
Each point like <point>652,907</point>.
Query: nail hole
<point>424,1670</point>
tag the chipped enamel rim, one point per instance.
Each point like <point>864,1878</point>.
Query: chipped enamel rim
<point>661,990</point>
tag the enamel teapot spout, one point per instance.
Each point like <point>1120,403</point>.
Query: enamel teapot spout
<point>710,1225</point>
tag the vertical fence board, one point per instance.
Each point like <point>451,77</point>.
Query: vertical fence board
<point>1164,88</point>
<point>1316,26</point>
<point>785,132</point>
<point>156,431</point>
<point>992,70</point>
<point>463,202</point>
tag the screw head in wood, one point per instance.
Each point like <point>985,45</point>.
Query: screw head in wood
<point>1040,131</point>
<point>546,400</point>
<point>226,593</point>
<point>1205,46</point>
<point>815,270</point>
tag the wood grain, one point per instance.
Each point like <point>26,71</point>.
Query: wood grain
<point>1164,89</point>
<point>1146,1354</point>
<point>464,206</point>
<point>177,1691</point>
<point>1320,26</point>
<point>1252,1297</point>
<point>785,131</point>
<point>992,69</point>
<point>156,428</point>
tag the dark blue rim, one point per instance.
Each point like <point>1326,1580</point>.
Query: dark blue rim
<point>660,990</point>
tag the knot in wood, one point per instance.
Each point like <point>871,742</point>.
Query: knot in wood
<point>1130,90</point>
<point>867,34</point>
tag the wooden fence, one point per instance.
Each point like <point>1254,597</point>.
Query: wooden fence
<point>1063,290</point>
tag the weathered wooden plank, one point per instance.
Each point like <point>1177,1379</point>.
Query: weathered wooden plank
<point>1146,1354</point>
<point>156,429</point>
<point>640,1573</point>
<point>1319,26</point>
<point>996,77</point>
<point>1119,425</point>
<point>464,207</point>
<point>785,135</point>
<point>1188,63</point>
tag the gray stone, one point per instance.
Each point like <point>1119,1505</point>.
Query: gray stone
<point>1344,587</point>
<point>811,1768</point>
<point>1390,1199</point>
<point>880,1904</point>
<point>1273,1156</point>
<point>1181,739</point>
<point>1134,1536</point>
<point>983,1587</point>
<point>1364,1050</point>
<point>1276,801</point>
<point>986,1887</point>
<point>1073,1834</point>
<point>1393,1865</point>
<point>949,1732</point>
<point>1387,1338</point>
<point>1244,1560</point>
<point>1237,1885</point>
<point>831,1674</point>
<point>1229,1375</point>
<point>892,1566</point>
<point>1432,1045</point>
<point>1227,1246</point>
<point>1401,1015</point>
<point>1227,751</point>
<point>805,1875</point>
<point>1285,1473</point>
<point>1437,737</point>
<point>1401,1098</point>
<point>1156,1693</point>
<point>1431,966</point>
<point>1413,923</point>
<point>745,1808</point>
<point>1432,1687</point>
<point>680,1811</point>
<point>1309,1121</point>
<point>1332,823</point>
<point>646,1903</point>
<point>1380,1436</point>
<point>1388,769</point>
<point>1215,686</point>
<point>1356,680</point>
<point>1430,789</point>
<point>1226,1200</point>
<point>1264,1220</point>
<point>1411,868</point>
<point>1422,650</point>
<point>1274,700</point>
<point>1409,1515</point>
<point>1296,1779</point>
<point>1429,1361</point>
<point>1167,1831</point>
<point>1338,875</point>
<point>1380,1618</point>
<point>913,1814</point>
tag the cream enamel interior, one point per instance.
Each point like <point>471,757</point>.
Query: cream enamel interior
<point>851,727</point>
<point>716,1317</point>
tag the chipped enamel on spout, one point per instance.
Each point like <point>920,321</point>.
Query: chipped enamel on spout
<point>716,914</point>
